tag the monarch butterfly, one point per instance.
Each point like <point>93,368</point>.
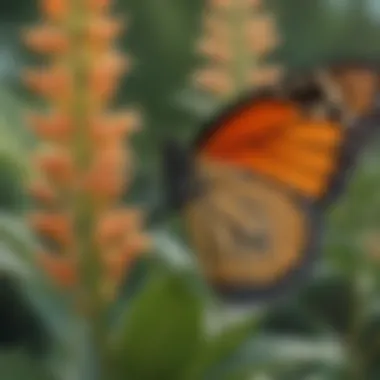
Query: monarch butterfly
<point>256,183</point>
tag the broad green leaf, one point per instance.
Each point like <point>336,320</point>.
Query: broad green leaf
<point>271,353</point>
<point>160,331</point>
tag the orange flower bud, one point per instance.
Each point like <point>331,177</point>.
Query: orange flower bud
<point>225,4</point>
<point>42,193</point>
<point>55,9</point>
<point>53,225</point>
<point>117,264</point>
<point>217,51</point>
<point>216,28</point>
<point>46,39</point>
<point>265,76</point>
<point>115,223</point>
<point>105,75</point>
<point>54,127</point>
<point>52,83</point>
<point>109,129</point>
<point>262,35</point>
<point>61,270</point>
<point>99,6</point>
<point>106,179</point>
<point>136,243</point>
<point>57,166</point>
<point>102,31</point>
<point>217,81</point>
<point>221,4</point>
<point>105,186</point>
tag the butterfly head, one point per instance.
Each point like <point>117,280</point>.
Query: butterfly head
<point>310,94</point>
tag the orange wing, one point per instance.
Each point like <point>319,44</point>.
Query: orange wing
<point>274,138</point>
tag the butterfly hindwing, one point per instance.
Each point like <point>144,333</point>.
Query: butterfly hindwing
<point>252,238</point>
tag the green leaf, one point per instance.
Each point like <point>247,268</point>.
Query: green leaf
<point>219,348</point>
<point>266,353</point>
<point>160,332</point>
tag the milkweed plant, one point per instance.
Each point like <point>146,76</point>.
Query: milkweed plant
<point>83,292</point>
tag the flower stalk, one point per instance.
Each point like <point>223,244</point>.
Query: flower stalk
<point>84,161</point>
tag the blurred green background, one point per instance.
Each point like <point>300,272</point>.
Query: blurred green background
<point>329,330</point>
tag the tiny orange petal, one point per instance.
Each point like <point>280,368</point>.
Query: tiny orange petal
<point>46,39</point>
<point>42,193</point>
<point>110,128</point>
<point>216,81</point>
<point>108,70</point>
<point>262,36</point>
<point>217,51</point>
<point>137,243</point>
<point>56,165</point>
<point>54,9</point>
<point>118,222</point>
<point>56,226</point>
<point>103,30</point>
<point>98,5</point>
<point>52,82</point>
<point>265,76</point>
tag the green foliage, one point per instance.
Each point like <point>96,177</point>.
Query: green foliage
<point>331,329</point>
<point>217,349</point>
<point>18,365</point>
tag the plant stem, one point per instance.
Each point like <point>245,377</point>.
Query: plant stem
<point>242,58</point>
<point>84,209</point>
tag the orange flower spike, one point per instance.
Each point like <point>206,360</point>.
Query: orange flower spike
<point>61,270</point>
<point>46,39</point>
<point>55,226</point>
<point>237,39</point>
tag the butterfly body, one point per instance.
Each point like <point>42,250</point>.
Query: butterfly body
<point>257,182</point>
